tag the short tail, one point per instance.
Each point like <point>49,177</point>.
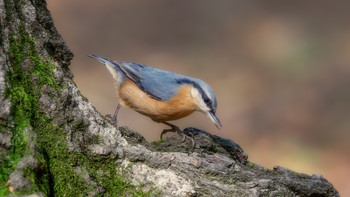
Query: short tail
<point>100,59</point>
<point>110,64</point>
<point>105,61</point>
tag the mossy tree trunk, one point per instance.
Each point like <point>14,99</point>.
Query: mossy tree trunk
<point>54,143</point>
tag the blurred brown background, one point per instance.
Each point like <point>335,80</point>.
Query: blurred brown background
<point>280,70</point>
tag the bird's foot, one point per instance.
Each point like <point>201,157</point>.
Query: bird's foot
<point>187,136</point>
<point>109,116</point>
<point>114,121</point>
<point>179,131</point>
<point>113,118</point>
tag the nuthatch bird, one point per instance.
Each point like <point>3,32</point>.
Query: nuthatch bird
<point>159,94</point>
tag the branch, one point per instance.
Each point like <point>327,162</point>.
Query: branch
<point>53,142</point>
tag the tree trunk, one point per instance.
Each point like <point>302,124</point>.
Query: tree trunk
<point>54,143</point>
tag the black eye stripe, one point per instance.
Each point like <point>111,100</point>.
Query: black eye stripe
<point>205,98</point>
<point>207,101</point>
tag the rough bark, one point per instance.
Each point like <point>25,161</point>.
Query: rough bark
<point>54,143</point>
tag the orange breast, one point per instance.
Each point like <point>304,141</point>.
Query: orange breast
<point>178,107</point>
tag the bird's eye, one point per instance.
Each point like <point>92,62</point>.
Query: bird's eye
<point>207,101</point>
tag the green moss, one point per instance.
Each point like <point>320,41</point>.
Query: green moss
<point>110,176</point>
<point>57,172</point>
<point>1,34</point>
<point>61,172</point>
<point>23,109</point>
<point>157,143</point>
<point>250,164</point>
<point>59,163</point>
<point>8,10</point>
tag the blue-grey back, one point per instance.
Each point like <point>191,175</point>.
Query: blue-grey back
<point>164,85</point>
<point>157,83</point>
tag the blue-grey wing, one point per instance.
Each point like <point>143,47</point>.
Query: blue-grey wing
<point>157,83</point>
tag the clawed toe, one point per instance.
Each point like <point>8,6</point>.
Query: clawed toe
<point>165,131</point>
<point>114,117</point>
<point>186,136</point>
<point>109,116</point>
<point>179,131</point>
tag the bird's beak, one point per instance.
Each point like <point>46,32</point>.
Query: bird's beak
<point>215,119</point>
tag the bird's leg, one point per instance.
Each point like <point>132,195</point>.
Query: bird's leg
<point>114,117</point>
<point>175,128</point>
<point>116,113</point>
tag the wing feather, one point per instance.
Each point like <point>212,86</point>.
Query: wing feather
<point>159,84</point>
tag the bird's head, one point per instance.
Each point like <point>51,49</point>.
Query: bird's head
<point>205,100</point>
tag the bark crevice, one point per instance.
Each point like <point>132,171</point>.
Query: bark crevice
<point>53,142</point>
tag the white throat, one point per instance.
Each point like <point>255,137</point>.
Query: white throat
<point>197,98</point>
